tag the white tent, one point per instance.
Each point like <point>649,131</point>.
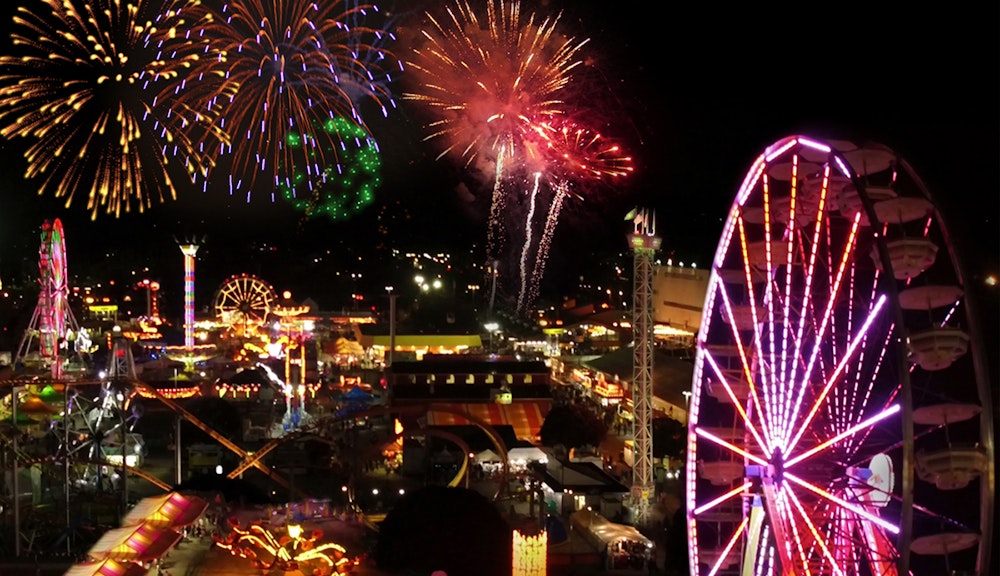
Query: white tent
<point>487,456</point>
<point>602,532</point>
<point>527,454</point>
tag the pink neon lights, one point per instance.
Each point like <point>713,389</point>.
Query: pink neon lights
<point>825,322</point>
<point>811,270</point>
<point>729,547</point>
<point>705,434</point>
<point>753,311</point>
<point>814,145</point>
<point>849,432</point>
<point>734,492</point>
<point>841,502</point>
<point>836,373</point>
<point>812,529</point>
<point>781,149</point>
<point>736,402</point>
<point>809,385</point>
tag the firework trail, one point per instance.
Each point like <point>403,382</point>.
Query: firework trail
<point>79,87</point>
<point>542,254</point>
<point>485,84</point>
<point>527,245</point>
<point>275,69</point>
<point>573,153</point>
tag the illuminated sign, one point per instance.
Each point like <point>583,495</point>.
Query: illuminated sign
<point>608,389</point>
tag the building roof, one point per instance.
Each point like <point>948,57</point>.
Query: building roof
<point>580,477</point>
<point>410,393</point>
<point>106,568</point>
<point>369,335</point>
<point>605,531</point>
<point>459,365</point>
<point>672,374</point>
<point>140,543</point>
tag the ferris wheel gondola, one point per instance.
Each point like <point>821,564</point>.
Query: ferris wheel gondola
<point>840,418</point>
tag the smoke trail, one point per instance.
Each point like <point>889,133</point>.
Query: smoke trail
<point>527,245</point>
<point>546,241</point>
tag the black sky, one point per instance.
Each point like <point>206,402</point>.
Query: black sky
<point>696,90</point>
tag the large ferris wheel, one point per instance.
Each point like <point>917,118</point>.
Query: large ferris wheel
<point>840,417</point>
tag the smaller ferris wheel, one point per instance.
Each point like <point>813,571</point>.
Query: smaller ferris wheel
<point>52,322</point>
<point>243,302</point>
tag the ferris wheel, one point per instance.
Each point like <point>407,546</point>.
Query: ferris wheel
<point>52,320</point>
<point>95,437</point>
<point>244,301</point>
<point>840,419</point>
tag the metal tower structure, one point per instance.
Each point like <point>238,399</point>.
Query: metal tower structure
<point>121,364</point>
<point>644,243</point>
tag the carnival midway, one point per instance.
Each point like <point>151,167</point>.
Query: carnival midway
<point>838,414</point>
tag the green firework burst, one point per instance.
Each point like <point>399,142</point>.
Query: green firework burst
<point>337,190</point>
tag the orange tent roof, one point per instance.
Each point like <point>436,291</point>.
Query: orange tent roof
<point>173,510</point>
<point>141,543</point>
<point>525,417</point>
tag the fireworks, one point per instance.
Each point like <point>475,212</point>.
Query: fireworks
<point>78,90</point>
<point>486,85</point>
<point>341,190</point>
<point>274,70</point>
<point>573,154</point>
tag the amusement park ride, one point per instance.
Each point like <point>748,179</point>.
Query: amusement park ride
<point>67,427</point>
<point>840,417</point>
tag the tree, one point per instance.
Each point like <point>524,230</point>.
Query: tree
<point>668,438</point>
<point>572,426</point>
<point>455,530</point>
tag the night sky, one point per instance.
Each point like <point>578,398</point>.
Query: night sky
<point>694,90</point>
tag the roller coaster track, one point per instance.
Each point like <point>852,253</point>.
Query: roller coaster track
<point>313,430</point>
<point>26,461</point>
<point>316,429</point>
<point>226,442</point>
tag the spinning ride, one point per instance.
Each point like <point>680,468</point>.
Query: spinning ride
<point>840,418</point>
<point>95,437</point>
<point>244,301</point>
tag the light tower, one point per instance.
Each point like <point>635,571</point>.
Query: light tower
<point>189,354</point>
<point>644,243</point>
